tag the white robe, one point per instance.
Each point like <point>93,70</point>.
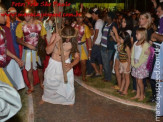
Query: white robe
<point>15,73</point>
<point>10,102</point>
<point>55,90</point>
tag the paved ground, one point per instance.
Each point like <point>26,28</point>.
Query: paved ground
<point>89,107</point>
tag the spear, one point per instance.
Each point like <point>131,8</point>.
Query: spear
<point>61,51</point>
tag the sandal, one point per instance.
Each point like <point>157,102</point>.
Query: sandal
<point>116,87</point>
<point>122,94</point>
<point>118,91</point>
<point>98,75</point>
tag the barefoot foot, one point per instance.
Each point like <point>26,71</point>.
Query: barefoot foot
<point>29,91</point>
<point>123,93</point>
<point>41,102</point>
<point>141,98</point>
<point>136,97</point>
<point>84,79</point>
<point>133,91</point>
<point>41,85</point>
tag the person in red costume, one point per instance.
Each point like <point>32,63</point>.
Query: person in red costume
<point>28,33</point>
<point>5,52</point>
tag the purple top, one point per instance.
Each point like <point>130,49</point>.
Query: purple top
<point>161,26</point>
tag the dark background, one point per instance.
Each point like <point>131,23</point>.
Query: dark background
<point>141,5</point>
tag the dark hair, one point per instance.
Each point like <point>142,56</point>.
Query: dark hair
<point>70,31</point>
<point>160,5</point>
<point>111,15</point>
<point>127,40</point>
<point>129,23</point>
<point>96,11</point>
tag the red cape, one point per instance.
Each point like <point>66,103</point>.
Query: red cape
<point>10,45</point>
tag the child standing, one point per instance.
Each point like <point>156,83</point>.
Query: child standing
<point>126,25</point>
<point>139,57</point>
<point>125,62</point>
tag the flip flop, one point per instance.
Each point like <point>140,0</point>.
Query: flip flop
<point>98,75</point>
<point>118,91</point>
<point>122,94</point>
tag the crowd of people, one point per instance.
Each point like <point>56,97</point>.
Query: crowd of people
<point>127,44</point>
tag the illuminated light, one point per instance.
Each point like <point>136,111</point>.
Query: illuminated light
<point>27,11</point>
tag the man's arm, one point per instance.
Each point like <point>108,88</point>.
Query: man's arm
<point>89,46</point>
<point>20,62</point>
<point>54,39</point>
<point>76,60</point>
<point>95,36</point>
<point>116,34</point>
<point>155,37</point>
<point>88,37</point>
<point>19,41</point>
<point>154,3</point>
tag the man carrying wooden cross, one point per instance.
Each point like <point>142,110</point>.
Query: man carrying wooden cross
<point>56,91</point>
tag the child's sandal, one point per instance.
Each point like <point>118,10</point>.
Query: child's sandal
<point>118,91</point>
<point>123,94</point>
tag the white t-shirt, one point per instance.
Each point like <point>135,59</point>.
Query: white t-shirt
<point>138,51</point>
<point>99,25</point>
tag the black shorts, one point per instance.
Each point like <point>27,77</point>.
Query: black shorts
<point>96,54</point>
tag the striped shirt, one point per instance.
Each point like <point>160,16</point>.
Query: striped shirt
<point>104,35</point>
<point>122,54</point>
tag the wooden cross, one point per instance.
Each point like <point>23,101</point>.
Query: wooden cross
<point>61,51</point>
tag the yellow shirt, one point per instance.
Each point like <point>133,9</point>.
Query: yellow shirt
<point>87,33</point>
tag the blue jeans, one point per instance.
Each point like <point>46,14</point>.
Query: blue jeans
<point>106,58</point>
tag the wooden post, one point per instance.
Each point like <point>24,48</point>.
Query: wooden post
<point>61,51</point>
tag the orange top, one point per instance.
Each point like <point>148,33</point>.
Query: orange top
<point>8,21</point>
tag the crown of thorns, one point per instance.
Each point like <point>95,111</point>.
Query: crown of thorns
<point>68,37</point>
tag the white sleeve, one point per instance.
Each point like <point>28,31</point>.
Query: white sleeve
<point>98,25</point>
